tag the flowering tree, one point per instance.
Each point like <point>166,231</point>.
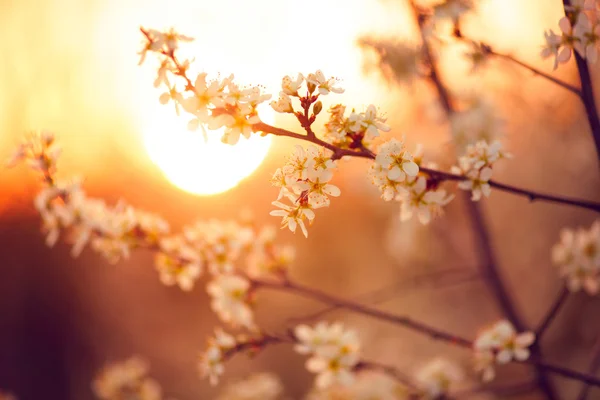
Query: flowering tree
<point>240,258</point>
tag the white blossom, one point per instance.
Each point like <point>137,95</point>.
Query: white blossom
<point>334,352</point>
<point>501,344</point>
<point>577,256</point>
<point>324,85</point>
<point>396,161</point>
<point>211,361</point>
<point>127,379</point>
<point>229,295</point>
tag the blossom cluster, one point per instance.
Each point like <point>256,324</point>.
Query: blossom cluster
<point>476,165</point>
<point>63,205</point>
<point>215,104</point>
<point>334,352</point>
<point>396,173</point>
<point>291,88</point>
<point>579,31</point>
<point>577,255</point>
<point>215,246</point>
<point>304,181</point>
<point>211,360</point>
<point>500,344</point>
<point>355,130</point>
<point>126,380</point>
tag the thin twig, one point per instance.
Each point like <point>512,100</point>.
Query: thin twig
<point>538,72</point>
<point>434,333</point>
<point>359,308</point>
<point>385,293</point>
<point>258,344</point>
<point>487,50</point>
<point>593,368</point>
<point>565,372</point>
<point>552,313</point>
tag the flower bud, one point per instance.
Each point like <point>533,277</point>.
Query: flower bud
<point>317,107</point>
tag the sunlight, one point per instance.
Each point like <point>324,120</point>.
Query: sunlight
<point>197,164</point>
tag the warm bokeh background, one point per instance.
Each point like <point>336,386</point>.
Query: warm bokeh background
<point>71,66</point>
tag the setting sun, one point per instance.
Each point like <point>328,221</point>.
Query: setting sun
<point>195,163</point>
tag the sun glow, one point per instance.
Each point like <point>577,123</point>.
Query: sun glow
<point>197,163</point>
<point>255,41</point>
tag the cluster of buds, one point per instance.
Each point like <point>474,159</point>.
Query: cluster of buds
<point>334,352</point>
<point>500,344</point>
<point>126,380</point>
<point>578,257</point>
<point>579,31</point>
<point>316,85</point>
<point>476,165</point>
<point>304,181</point>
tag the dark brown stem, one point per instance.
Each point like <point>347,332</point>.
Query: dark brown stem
<point>308,292</point>
<point>567,373</point>
<point>593,368</point>
<point>387,292</point>
<point>536,71</point>
<point>259,344</point>
<point>488,263</point>
<point>552,313</point>
<point>587,91</point>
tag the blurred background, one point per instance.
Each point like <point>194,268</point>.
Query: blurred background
<point>71,66</point>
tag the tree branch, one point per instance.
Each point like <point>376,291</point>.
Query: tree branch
<point>489,267</point>
<point>552,313</point>
<point>593,368</point>
<point>436,174</point>
<point>308,292</point>
<point>587,90</point>
<point>538,72</point>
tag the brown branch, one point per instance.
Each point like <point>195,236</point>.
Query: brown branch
<point>434,333</point>
<point>256,345</point>
<point>488,264</point>
<point>538,72</point>
<point>436,174</point>
<point>385,293</point>
<point>308,292</point>
<point>565,372</point>
<point>587,90</point>
<point>593,368</point>
<point>487,50</point>
<point>552,313</point>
